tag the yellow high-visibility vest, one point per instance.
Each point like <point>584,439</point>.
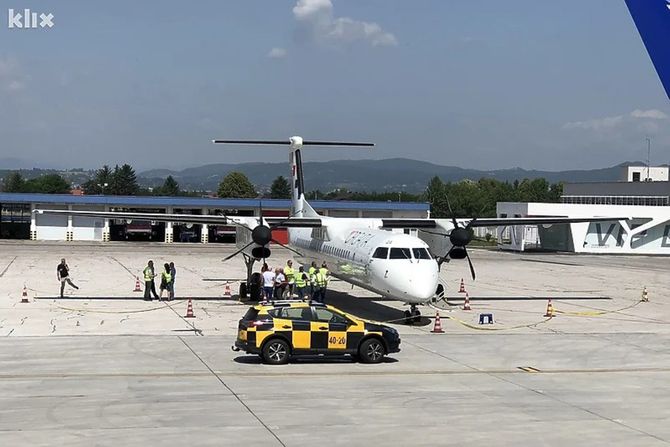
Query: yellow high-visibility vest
<point>289,272</point>
<point>300,280</point>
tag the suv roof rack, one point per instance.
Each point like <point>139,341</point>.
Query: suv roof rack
<point>280,302</point>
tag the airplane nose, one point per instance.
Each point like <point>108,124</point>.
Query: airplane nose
<point>423,283</point>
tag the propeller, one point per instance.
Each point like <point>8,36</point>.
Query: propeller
<point>459,237</point>
<point>261,235</point>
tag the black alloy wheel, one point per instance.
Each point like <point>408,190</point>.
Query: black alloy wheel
<point>276,352</point>
<point>371,351</point>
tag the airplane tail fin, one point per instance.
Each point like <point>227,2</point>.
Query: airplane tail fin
<point>652,18</point>
<point>299,205</point>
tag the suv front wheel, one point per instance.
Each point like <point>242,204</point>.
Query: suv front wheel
<point>371,351</point>
<point>276,352</point>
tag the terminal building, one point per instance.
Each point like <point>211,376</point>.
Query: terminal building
<point>17,220</point>
<point>639,205</point>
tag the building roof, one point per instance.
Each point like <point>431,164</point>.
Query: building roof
<point>202,202</point>
<point>617,189</point>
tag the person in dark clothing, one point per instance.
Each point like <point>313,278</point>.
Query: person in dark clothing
<point>63,274</point>
<point>149,284</point>
<point>166,281</point>
<point>173,272</point>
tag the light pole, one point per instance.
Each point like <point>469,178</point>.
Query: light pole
<point>102,187</point>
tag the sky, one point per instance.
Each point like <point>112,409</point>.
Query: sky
<point>483,84</point>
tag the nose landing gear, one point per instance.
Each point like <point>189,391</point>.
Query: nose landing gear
<point>413,315</point>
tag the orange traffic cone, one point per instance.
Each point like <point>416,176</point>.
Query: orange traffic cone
<point>24,295</point>
<point>466,303</point>
<point>437,328</point>
<point>226,291</point>
<point>462,289</point>
<point>138,286</point>
<point>550,309</point>
<point>189,310</point>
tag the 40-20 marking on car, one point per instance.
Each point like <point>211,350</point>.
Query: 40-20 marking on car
<point>337,340</point>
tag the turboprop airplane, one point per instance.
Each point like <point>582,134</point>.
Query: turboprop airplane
<point>360,251</point>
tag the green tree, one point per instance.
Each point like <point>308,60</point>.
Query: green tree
<point>170,187</point>
<point>436,195</point>
<point>100,183</point>
<point>123,181</point>
<point>236,185</point>
<point>48,184</point>
<point>14,182</point>
<point>280,188</point>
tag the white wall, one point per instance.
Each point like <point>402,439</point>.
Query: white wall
<point>87,228</point>
<point>632,230</point>
<point>51,227</point>
<point>654,173</point>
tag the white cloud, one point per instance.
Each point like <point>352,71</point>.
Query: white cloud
<point>277,53</point>
<point>653,114</point>
<point>637,117</point>
<point>11,79</point>
<point>317,16</point>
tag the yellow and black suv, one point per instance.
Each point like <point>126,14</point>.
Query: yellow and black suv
<point>280,330</point>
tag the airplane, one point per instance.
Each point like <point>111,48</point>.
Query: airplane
<point>360,251</point>
<point>652,19</point>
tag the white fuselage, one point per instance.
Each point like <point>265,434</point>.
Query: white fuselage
<point>396,266</point>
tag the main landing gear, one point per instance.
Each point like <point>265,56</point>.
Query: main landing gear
<point>413,315</point>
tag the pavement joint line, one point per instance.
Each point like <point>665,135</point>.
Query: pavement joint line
<point>122,265</point>
<point>8,266</point>
<point>498,377</point>
<point>616,311</point>
<point>578,407</point>
<point>515,371</point>
<point>192,325</point>
<point>239,399</point>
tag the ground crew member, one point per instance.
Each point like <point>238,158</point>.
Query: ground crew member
<point>301,281</point>
<point>268,282</point>
<point>321,280</point>
<point>63,275</point>
<point>312,280</point>
<point>166,281</point>
<point>149,284</point>
<point>173,272</point>
<point>289,273</point>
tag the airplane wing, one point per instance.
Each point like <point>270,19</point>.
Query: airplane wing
<point>493,222</point>
<point>652,18</point>
<point>511,221</point>
<point>248,222</point>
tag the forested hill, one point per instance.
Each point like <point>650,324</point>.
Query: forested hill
<point>366,175</point>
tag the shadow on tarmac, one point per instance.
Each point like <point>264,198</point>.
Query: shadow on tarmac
<point>135,298</point>
<point>309,359</point>
<point>369,309</point>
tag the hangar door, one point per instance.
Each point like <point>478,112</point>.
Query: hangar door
<point>14,221</point>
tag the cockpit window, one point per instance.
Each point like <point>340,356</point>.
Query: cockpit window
<point>381,253</point>
<point>420,253</point>
<point>400,253</point>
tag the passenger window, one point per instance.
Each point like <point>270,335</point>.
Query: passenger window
<point>328,316</point>
<point>400,253</point>
<point>381,253</point>
<point>296,313</point>
<point>420,253</point>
